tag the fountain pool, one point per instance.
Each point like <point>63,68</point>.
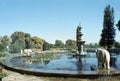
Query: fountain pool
<point>62,63</point>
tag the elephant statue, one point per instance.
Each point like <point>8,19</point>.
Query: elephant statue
<point>103,57</point>
<point>26,51</point>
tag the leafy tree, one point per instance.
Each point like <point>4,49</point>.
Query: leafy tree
<point>118,25</point>
<point>91,45</point>
<point>18,41</point>
<point>27,40</point>
<point>17,35</point>
<point>51,45</point>
<point>36,42</point>
<point>1,47</point>
<point>108,33</point>
<point>17,46</point>
<point>20,45</point>
<point>59,43</point>
<point>70,44</point>
<point>117,44</point>
<point>46,46</point>
<point>4,42</point>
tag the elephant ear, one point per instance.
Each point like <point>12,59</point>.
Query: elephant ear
<point>98,52</point>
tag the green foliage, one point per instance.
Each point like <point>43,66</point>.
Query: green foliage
<point>92,45</point>
<point>118,25</point>
<point>108,32</point>
<point>70,44</point>
<point>117,44</point>
<point>20,40</point>
<point>27,40</point>
<point>46,46</point>
<point>51,45</point>
<point>12,48</point>
<point>36,42</point>
<point>4,42</point>
<point>17,35</point>
<point>1,47</point>
<point>59,44</point>
<point>17,46</point>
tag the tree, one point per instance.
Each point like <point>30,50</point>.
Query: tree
<point>108,33</point>
<point>118,25</point>
<point>51,46</point>
<point>4,43</point>
<point>18,42</point>
<point>117,44</point>
<point>17,46</point>
<point>92,45</point>
<point>46,46</point>
<point>27,40</point>
<point>70,44</point>
<point>17,35</point>
<point>21,39</point>
<point>36,42</point>
<point>1,46</point>
<point>59,43</point>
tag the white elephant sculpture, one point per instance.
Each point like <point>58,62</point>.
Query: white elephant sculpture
<point>103,58</point>
<point>26,51</point>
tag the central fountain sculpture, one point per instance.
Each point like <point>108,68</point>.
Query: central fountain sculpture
<point>79,41</point>
<point>80,51</point>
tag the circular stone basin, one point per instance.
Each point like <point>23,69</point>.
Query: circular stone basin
<point>63,64</point>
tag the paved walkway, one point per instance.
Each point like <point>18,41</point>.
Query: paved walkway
<point>13,76</point>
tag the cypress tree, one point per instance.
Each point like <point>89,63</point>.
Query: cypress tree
<point>118,25</point>
<point>108,33</point>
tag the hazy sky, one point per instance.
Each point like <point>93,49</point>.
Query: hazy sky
<point>56,19</point>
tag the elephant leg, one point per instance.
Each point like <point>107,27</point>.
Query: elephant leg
<point>105,65</point>
<point>100,65</point>
<point>108,65</point>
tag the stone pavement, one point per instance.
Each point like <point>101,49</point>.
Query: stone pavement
<point>13,76</point>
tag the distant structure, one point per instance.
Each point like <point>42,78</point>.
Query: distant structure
<point>79,41</point>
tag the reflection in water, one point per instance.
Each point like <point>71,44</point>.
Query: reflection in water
<point>115,61</point>
<point>61,63</point>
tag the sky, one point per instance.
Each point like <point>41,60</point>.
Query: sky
<point>56,19</point>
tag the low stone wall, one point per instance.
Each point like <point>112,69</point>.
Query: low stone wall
<point>45,74</point>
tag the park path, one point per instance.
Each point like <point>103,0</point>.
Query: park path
<point>13,76</point>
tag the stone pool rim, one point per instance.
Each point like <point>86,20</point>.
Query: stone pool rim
<point>93,75</point>
<point>51,74</point>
